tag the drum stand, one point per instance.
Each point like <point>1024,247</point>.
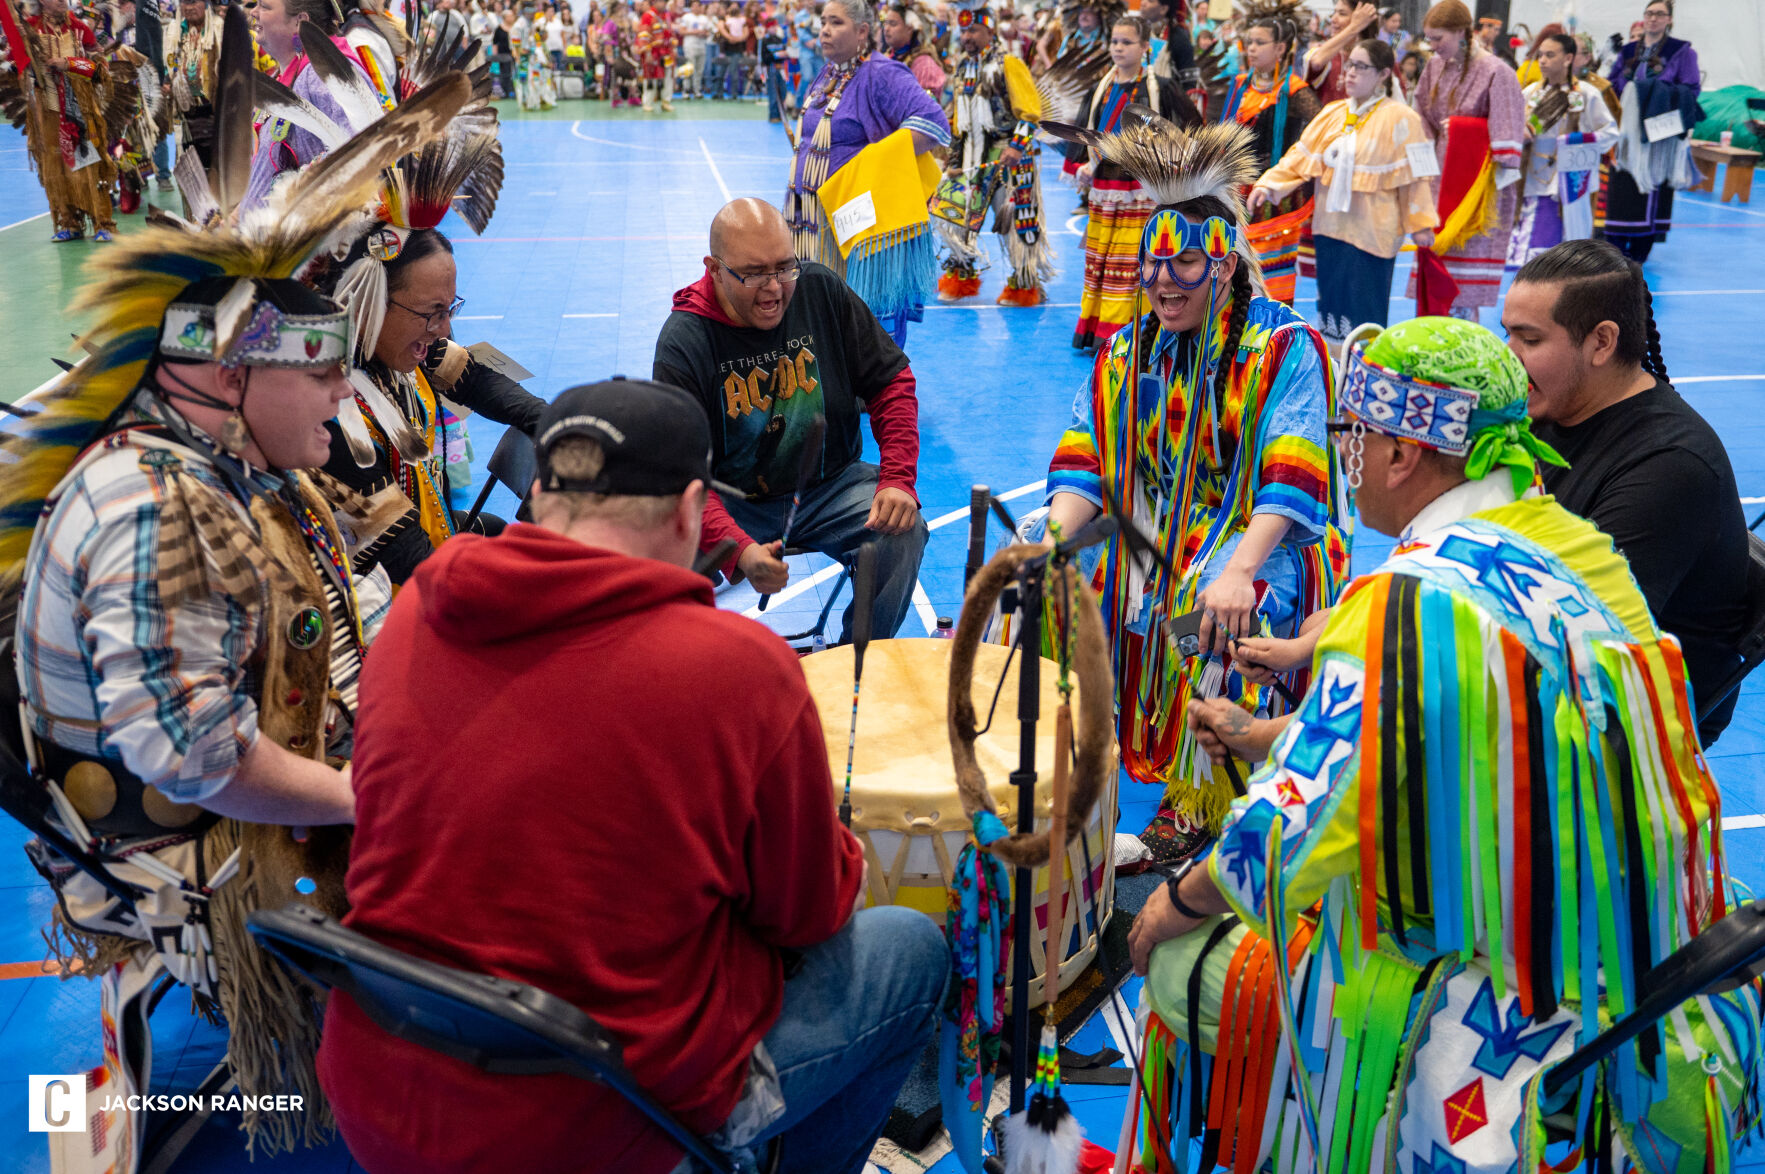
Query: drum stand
<point>1027,598</point>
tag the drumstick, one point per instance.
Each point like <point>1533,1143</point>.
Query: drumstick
<point>863,599</point>
<point>806,468</point>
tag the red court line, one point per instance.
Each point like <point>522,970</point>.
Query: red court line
<point>506,240</point>
<point>31,969</point>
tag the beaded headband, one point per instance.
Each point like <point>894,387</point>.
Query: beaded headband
<point>270,339</point>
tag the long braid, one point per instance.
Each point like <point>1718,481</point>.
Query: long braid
<point>1235,322</point>
<point>1653,363</point>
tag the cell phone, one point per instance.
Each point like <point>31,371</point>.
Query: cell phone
<point>1184,631</point>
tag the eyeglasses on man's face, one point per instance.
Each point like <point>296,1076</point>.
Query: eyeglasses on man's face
<point>784,275</point>
<point>434,319</point>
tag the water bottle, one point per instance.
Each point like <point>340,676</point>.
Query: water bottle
<point>946,629</point>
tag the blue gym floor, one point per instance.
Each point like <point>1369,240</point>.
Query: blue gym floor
<point>600,221</point>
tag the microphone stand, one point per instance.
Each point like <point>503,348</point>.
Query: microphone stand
<point>1029,603</point>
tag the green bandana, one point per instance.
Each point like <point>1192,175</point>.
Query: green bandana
<point>1464,355</point>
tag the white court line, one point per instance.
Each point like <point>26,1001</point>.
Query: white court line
<point>1717,379</point>
<point>1733,823</point>
<point>575,129</point>
<point>715,174</point>
<point>26,220</point>
<point>1723,207</point>
<point>590,315</point>
<point>922,603</point>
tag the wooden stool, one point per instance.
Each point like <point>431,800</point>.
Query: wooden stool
<point>1739,180</point>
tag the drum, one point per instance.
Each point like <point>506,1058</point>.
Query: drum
<point>905,808</point>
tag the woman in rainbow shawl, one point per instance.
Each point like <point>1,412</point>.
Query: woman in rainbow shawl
<point>1203,422</point>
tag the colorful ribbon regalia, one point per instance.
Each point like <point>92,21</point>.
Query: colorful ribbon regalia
<point>1191,458</point>
<point>1488,819</point>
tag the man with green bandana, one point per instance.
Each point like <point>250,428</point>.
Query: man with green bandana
<point>1488,818</point>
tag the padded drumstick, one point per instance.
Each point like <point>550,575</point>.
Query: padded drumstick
<point>863,599</point>
<point>806,469</point>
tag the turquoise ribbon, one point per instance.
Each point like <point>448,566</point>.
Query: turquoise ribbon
<point>1503,436</point>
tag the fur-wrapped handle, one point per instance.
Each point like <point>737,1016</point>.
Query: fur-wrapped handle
<point>1096,719</point>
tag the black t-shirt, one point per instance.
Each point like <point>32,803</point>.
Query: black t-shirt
<point>762,387</point>
<point>1651,473</point>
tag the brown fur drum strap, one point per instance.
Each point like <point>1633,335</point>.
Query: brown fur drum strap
<point>1096,719</point>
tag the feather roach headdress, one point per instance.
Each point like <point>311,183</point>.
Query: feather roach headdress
<point>135,284</point>
<point>1176,165</point>
<point>461,170</point>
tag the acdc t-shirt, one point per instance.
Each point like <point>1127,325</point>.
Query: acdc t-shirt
<point>761,388</point>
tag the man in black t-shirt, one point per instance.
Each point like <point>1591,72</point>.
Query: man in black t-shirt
<point>767,345</point>
<point>1643,465</point>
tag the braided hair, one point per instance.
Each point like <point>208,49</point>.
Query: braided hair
<point>1197,211</point>
<point>1598,283</point>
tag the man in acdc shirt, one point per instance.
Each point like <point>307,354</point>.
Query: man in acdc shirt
<point>767,344</point>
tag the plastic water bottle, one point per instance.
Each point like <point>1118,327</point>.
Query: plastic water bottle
<point>946,629</point>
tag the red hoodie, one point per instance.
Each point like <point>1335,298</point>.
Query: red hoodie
<point>549,789</point>
<point>875,371</point>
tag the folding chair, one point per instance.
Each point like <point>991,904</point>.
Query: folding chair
<point>1723,957</point>
<point>494,1024</point>
<point>514,463</point>
<point>819,631</point>
<point>1752,642</point>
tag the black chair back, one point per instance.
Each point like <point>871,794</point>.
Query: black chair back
<point>493,1024</point>
<point>1724,956</point>
<point>1752,642</point>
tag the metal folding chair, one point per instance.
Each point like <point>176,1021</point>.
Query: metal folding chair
<point>493,1024</point>
<point>514,463</point>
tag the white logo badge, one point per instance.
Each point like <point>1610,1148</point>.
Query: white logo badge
<point>57,1104</point>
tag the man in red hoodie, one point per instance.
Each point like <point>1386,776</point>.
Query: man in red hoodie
<point>766,344</point>
<point>684,882</point>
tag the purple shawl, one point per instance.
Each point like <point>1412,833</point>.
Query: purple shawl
<point>882,97</point>
<point>1676,60</point>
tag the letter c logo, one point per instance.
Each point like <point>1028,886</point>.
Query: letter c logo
<point>50,1117</point>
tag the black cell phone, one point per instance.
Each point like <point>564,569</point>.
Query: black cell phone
<point>1184,631</point>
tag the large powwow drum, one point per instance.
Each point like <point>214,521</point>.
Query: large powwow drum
<point>905,806</point>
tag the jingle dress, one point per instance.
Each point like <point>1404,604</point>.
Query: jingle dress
<point>1193,476</point>
<point>851,106</point>
<point>1118,205</point>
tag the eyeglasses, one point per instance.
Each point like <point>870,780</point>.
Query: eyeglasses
<point>1352,66</point>
<point>436,319</point>
<point>784,276</point>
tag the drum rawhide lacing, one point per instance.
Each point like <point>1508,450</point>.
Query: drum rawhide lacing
<point>1096,722</point>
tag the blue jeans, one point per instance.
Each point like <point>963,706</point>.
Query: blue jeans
<point>809,63</point>
<point>856,1018</point>
<point>775,91</point>
<point>831,521</point>
<point>713,69</point>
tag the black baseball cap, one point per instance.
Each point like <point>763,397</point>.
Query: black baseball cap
<point>655,437</point>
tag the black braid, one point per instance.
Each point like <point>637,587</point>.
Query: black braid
<point>1241,295</point>
<point>1653,363</point>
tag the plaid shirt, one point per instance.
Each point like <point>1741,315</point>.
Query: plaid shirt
<point>105,668</point>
